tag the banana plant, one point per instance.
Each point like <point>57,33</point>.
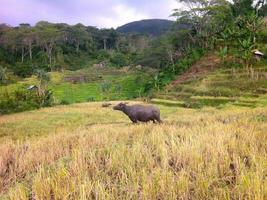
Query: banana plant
<point>223,53</point>
<point>246,47</point>
<point>156,82</point>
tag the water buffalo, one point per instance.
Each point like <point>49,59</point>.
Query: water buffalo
<point>140,113</point>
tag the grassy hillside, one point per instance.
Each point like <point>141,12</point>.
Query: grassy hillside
<point>209,83</point>
<point>83,151</point>
<point>91,84</point>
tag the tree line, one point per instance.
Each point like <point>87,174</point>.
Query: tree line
<point>56,46</point>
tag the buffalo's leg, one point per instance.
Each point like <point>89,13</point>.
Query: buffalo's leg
<point>159,120</point>
<point>133,120</point>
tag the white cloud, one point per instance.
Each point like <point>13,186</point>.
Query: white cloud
<point>124,14</point>
<point>101,13</point>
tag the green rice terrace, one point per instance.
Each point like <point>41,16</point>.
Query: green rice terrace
<point>206,84</point>
<point>91,84</point>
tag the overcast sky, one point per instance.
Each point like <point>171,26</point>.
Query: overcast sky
<point>100,13</point>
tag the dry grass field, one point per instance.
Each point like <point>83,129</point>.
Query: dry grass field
<point>83,151</point>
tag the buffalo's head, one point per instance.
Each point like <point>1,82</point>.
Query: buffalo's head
<point>120,106</point>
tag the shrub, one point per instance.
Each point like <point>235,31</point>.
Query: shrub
<point>103,55</point>
<point>47,99</point>
<point>23,100</point>
<point>119,60</point>
<point>64,102</point>
<point>23,69</point>
<point>105,86</point>
<point>18,101</point>
<point>192,56</point>
<point>91,99</point>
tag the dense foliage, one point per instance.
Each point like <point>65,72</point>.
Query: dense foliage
<point>51,47</point>
<point>220,25</point>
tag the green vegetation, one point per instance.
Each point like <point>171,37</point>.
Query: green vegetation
<point>56,47</point>
<point>80,86</point>
<point>110,88</point>
<point>233,30</point>
<point>222,85</point>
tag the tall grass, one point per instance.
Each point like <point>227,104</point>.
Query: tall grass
<point>207,154</point>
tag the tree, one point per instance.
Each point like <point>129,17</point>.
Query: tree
<point>254,24</point>
<point>109,38</point>
<point>78,35</point>
<point>105,36</point>
<point>3,75</point>
<point>13,40</point>
<point>261,7</point>
<point>223,53</point>
<point>43,80</point>
<point>42,93</point>
<point>207,18</point>
<point>28,37</point>
<point>47,37</point>
<point>242,7</point>
<point>246,47</point>
<point>137,42</point>
<point>119,59</point>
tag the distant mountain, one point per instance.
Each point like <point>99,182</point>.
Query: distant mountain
<point>155,27</point>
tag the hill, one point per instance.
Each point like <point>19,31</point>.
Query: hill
<point>208,83</point>
<point>153,27</point>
